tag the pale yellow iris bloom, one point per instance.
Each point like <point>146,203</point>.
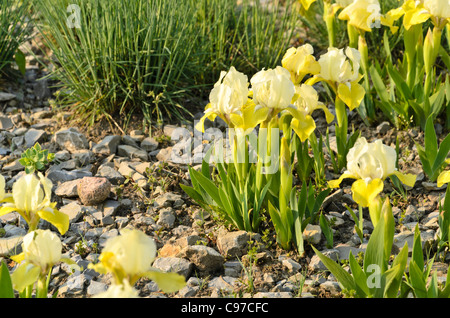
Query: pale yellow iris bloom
<point>41,251</point>
<point>417,12</point>
<point>306,101</point>
<point>370,164</point>
<point>362,14</point>
<point>273,88</point>
<point>341,72</point>
<point>300,62</point>
<point>31,198</point>
<point>250,116</point>
<point>129,256</point>
<point>229,94</point>
<point>306,3</point>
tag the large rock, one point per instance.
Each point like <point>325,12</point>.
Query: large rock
<point>233,244</point>
<point>68,189</point>
<point>71,139</point>
<point>132,152</point>
<point>205,258</point>
<point>63,175</point>
<point>174,264</point>
<point>11,245</point>
<point>6,123</point>
<point>149,144</point>
<point>93,190</point>
<point>33,136</point>
<point>107,146</point>
<point>111,174</point>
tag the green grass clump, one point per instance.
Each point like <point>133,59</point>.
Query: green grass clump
<point>13,31</point>
<point>123,56</point>
<point>151,57</point>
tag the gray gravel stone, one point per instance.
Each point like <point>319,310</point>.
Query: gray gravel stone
<point>33,136</point>
<point>174,264</point>
<point>70,139</point>
<point>291,265</point>
<point>11,245</point>
<point>4,97</point>
<point>67,189</point>
<point>74,285</point>
<point>223,283</point>
<point>114,176</point>
<point>273,295</point>
<point>107,146</point>
<point>57,176</point>
<point>132,152</point>
<point>205,258</point>
<point>149,144</point>
<point>167,218</point>
<point>233,244</point>
<point>317,265</point>
<point>6,123</point>
<point>73,210</point>
<point>96,287</point>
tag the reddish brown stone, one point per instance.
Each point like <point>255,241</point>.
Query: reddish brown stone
<point>93,190</point>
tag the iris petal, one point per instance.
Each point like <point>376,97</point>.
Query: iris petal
<point>352,96</point>
<point>365,193</point>
<point>406,178</point>
<point>444,177</point>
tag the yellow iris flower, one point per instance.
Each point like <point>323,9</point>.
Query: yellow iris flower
<point>41,250</point>
<point>418,12</point>
<point>273,88</point>
<point>229,95</point>
<point>362,14</point>
<point>31,198</point>
<point>305,102</point>
<point>129,257</point>
<point>370,164</point>
<point>341,72</point>
<point>249,117</point>
<point>300,62</point>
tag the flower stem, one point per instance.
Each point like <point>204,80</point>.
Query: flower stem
<point>41,290</point>
<point>341,132</point>
<point>330,23</point>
